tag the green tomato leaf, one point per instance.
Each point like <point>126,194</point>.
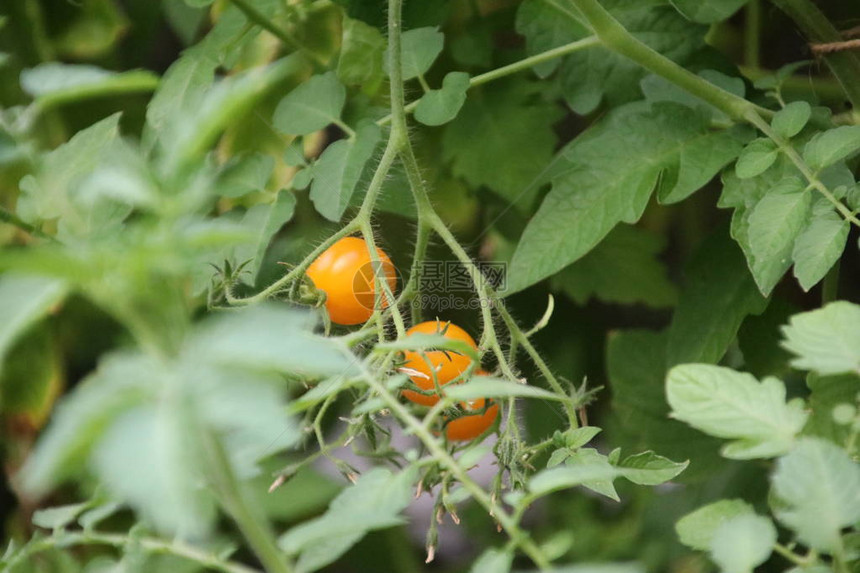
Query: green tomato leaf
<point>59,517</point>
<point>656,88</point>
<point>591,76</point>
<point>718,294</point>
<point>756,158</point>
<point>623,268</point>
<point>159,442</point>
<point>774,225</point>
<point>506,117</point>
<point>696,529</point>
<point>603,177</point>
<point>374,502</point>
<point>338,171</point>
<point>262,222</point>
<point>819,245</point>
<point>547,24</point>
<point>708,11</point>
<point>700,159</point>
<point>46,194</point>
<point>648,468</point>
<point>788,121</point>
<point>268,339</point>
<point>53,83</point>
<point>183,87</point>
<point>594,470</point>
<point>742,543</point>
<point>419,47</point>
<point>92,517</point>
<point>589,457</point>
<point>438,107</point>
<point>826,340</point>
<point>493,560</point>
<point>312,106</point>
<point>557,457</point>
<point>578,437</point>
<point>734,405</point>
<point>188,137</point>
<point>361,55</point>
<point>818,485</point>
<point>245,175</point>
<point>744,195</point>
<point>487,387</point>
<point>832,146</point>
<point>79,421</point>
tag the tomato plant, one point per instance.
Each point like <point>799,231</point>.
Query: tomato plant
<point>256,253</point>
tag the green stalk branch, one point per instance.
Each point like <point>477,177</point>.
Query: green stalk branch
<point>253,526</point>
<point>818,29</point>
<point>615,37</point>
<point>516,67</point>
<point>752,34</point>
<point>489,339</point>
<point>519,336</point>
<point>530,62</point>
<point>295,273</point>
<point>148,544</point>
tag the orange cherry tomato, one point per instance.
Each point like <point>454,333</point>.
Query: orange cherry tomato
<point>473,422</point>
<point>447,364</point>
<point>344,272</point>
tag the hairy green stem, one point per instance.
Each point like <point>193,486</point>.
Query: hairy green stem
<point>382,292</point>
<point>296,272</point>
<point>253,526</point>
<point>148,544</point>
<point>489,338</point>
<point>818,29</point>
<point>516,67</point>
<point>518,335</point>
<point>422,238</point>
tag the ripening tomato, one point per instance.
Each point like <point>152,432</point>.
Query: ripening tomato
<point>344,272</point>
<point>447,364</point>
<point>475,420</point>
